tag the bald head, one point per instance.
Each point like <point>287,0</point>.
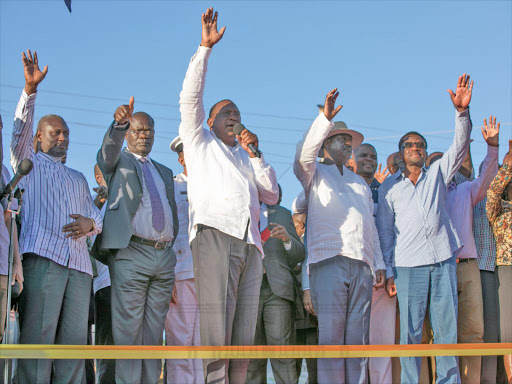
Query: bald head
<point>141,134</point>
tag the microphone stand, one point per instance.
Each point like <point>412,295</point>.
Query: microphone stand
<point>18,195</point>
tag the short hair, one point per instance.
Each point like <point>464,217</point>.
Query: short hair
<point>402,139</point>
<point>366,145</point>
<point>46,118</point>
<point>217,103</point>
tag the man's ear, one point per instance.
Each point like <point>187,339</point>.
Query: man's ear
<point>210,122</point>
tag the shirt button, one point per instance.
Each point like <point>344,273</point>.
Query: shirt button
<point>179,251</point>
<point>140,194</point>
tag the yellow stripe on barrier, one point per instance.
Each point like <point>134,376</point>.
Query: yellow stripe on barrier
<point>37,351</point>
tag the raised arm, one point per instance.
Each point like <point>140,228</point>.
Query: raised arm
<point>480,185</point>
<point>304,166</point>
<point>191,96</point>
<point>497,187</point>
<point>22,135</point>
<point>454,157</point>
<point>108,155</point>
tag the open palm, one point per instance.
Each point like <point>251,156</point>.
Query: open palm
<point>491,131</point>
<point>210,35</point>
<point>33,75</point>
<point>462,95</point>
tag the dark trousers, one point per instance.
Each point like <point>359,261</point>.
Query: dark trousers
<point>105,369</point>
<point>307,336</point>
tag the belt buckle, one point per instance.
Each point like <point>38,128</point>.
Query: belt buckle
<point>160,244</point>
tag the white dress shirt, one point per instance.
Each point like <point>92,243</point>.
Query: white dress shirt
<point>143,219</point>
<point>184,268</point>
<point>461,199</point>
<point>340,207</point>
<point>225,185</point>
<point>52,192</point>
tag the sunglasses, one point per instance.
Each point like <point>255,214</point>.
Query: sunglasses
<point>409,145</point>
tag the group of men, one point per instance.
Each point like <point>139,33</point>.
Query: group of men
<point>187,253</point>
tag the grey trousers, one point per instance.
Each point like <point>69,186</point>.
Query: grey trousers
<point>274,327</point>
<point>54,309</point>
<point>490,284</point>
<point>341,289</point>
<point>227,273</point>
<point>142,280</point>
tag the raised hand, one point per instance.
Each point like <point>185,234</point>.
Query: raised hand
<point>462,95</point>
<point>33,75</point>
<point>491,132</point>
<point>508,157</point>
<point>210,35</point>
<point>330,100</point>
<point>380,176</point>
<point>124,113</point>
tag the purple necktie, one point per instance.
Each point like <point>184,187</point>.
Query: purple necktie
<point>157,210</point>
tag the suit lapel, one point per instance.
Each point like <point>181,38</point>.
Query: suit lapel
<point>167,178</point>
<point>138,168</point>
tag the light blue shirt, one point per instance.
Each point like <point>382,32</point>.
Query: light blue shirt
<point>414,226</point>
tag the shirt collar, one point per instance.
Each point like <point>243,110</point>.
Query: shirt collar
<point>138,157</point>
<point>400,173</point>
<point>49,158</point>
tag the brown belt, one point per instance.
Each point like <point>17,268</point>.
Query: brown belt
<point>152,243</point>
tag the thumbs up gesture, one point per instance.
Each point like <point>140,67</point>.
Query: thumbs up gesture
<point>124,113</point>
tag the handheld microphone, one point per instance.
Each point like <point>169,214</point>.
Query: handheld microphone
<point>23,169</point>
<point>238,128</point>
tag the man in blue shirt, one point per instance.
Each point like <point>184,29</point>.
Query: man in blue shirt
<point>418,240</point>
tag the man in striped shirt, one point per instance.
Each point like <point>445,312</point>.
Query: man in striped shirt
<point>57,215</point>
<point>418,240</point>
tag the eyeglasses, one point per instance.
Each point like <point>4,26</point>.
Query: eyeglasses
<point>146,132</point>
<point>418,144</point>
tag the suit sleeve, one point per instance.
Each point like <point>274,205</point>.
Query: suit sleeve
<point>110,151</point>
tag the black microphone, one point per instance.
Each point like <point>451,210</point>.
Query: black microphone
<point>238,128</point>
<point>23,169</point>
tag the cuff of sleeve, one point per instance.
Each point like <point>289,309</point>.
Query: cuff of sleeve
<point>204,52</point>
<point>121,127</point>
<point>257,160</point>
<point>464,113</point>
<point>288,245</point>
<point>389,273</point>
<point>493,151</point>
<point>29,99</point>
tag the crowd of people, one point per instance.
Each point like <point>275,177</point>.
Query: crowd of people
<point>418,252</point>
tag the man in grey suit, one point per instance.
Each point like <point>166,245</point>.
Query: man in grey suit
<point>142,223</point>
<point>283,251</point>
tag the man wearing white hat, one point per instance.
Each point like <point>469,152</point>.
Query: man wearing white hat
<point>182,322</point>
<point>342,241</point>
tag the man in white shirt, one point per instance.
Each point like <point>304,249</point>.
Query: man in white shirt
<point>462,197</point>
<point>226,182</point>
<point>182,321</point>
<point>342,241</point>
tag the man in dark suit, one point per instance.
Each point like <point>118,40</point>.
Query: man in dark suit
<point>142,223</point>
<point>283,251</point>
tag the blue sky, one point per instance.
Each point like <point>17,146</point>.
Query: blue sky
<point>391,60</point>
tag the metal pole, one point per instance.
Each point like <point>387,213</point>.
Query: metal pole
<point>18,193</point>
